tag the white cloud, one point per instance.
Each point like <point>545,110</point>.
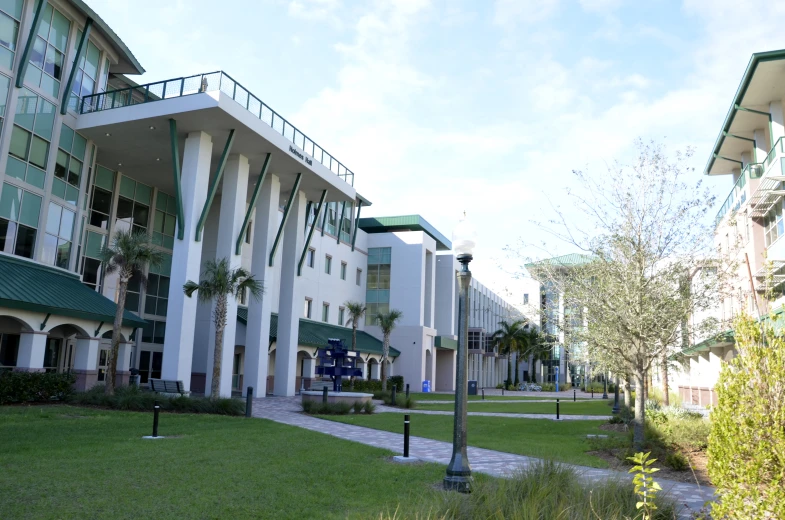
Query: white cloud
<point>600,6</point>
<point>526,12</point>
<point>315,10</point>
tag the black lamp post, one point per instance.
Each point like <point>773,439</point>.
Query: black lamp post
<point>459,472</point>
<point>616,409</point>
<point>605,385</point>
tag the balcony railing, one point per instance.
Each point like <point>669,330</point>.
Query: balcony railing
<point>738,194</point>
<point>777,149</point>
<point>211,82</point>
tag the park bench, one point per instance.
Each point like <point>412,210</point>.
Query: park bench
<point>166,386</point>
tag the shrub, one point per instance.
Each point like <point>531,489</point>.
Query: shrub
<point>134,398</point>
<point>339,408</point>
<point>548,387</point>
<point>375,385</point>
<point>34,387</point>
<point>676,461</point>
<point>747,441</point>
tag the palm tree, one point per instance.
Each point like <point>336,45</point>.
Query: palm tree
<point>533,347</point>
<point>356,311</point>
<point>387,322</point>
<point>129,254</point>
<point>508,338</point>
<point>220,281</point>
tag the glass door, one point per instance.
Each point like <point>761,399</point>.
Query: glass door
<point>66,361</point>
<point>52,354</point>
<point>103,363</point>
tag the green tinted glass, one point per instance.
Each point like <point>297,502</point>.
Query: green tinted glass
<point>31,209</point>
<point>10,202</point>
<point>66,137</point>
<point>13,7</point>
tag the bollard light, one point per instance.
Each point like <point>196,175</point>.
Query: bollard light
<point>324,395</point>
<point>407,390</point>
<point>557,408</point>
<point>156,410</point>
<point>392,397</point>
<point>406,435</point>
<point>248,401</point>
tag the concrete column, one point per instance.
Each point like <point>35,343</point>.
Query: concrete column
<point>362,365</point>
<point>234,191</point>
<point>290,300</point>
<point>762,145</point>
<point>30,357</point>
<point>86,362</point>
<point>309,368</point>
<point>777,120</point>
<point>257,332</point>
<point>376,371</point>
<point>124,364</point>
<point>186,261</point>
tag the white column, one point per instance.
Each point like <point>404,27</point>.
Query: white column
<point>376,371</point>
<point>86,362</point>
<point>124,363</point>
<point>777,121</point>
<point>234,191</point>
<point>257,332</point>
<point>30,356</point>
<point>309,367</point>
<point>362,365</point>
<point>186,261</point>
<point>762,145</point>
<point>290,300</point>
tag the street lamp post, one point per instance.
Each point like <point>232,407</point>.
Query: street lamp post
<point>605,385</point>
<point>616,408</point>
<point>459,472</point>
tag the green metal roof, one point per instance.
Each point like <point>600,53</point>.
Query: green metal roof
<point>721,338</point>
<point>405,223</point>
<point>316,333</point>
<point>446,342</point>
<point>564,260</point>
<point>131,65</point>
<point>30,286</point>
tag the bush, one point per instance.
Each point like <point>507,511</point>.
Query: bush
<point>401,401</point>
<point>676,461</point>
<point>548,387</point>
<point>133,398</point>
<point>339,408</point>
<point>747,441</point>
<point>374,385</point>
<point>35,387</point>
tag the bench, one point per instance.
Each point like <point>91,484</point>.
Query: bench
<point>165,386</point>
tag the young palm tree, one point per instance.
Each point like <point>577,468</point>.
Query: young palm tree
<point>219,281</point>
<point>531,346</point>
<point>509,338</point>
<point>129,254</point>
<point>387,322</point>
<point>356,311</point>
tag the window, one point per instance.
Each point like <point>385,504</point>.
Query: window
<point>154,332</point>
<point>326,312</point>
<point>47,53</point>
<point>86,74</point>
<point>526,299</point>
<point>331,207</point>
<point>10,14</point>
<point>309,258</point>
<point>165,220</point>
<point>328,264</point>
<point>248,232</point>
<point>134,295</point>
<point>307,309</point>
<point>243,297</point>
<point>346,223</point>
<point>59,235</point>
<point>773,224</point>
<point>9,349</point>
<point>341,316</point>
<point>19,214</point>
<point>133,206</point>
<point>377,289</point>
<point>359,277</point>
<point>30,136</point>
<point>150,364</point>
<point>157,291</point>
<point>343,270</point>
<point>5,85</point>
<point>68,165</point>
<point>101,200</point>
<point>92,274</point>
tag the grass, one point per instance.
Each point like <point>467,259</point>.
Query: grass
<point>419,396</point>
<point>561,441</point>
<point>69,462</point>
<point>565,407</point>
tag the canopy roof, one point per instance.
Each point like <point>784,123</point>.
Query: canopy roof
<point>405,223</point>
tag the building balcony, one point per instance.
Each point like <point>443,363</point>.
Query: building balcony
<point>740,192</point>
<point>221,82</point>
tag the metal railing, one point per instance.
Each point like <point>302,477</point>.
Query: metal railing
<point>211,82</point>
<point>738,194</point>
<point>777,148</point>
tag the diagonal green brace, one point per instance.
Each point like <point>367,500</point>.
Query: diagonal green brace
<point>767,114</point>
<point>80,50</point>
<point>324,221</point>
<point>307,215</point>
<point>310,234</point>
<point>286,211</point>
<point>727,159</point>
<point>178,189</point>
<point>20,75</point>
<point>340,224</point>
<point>238,248</point>
<point>357,222</point>
<point>219,173</point>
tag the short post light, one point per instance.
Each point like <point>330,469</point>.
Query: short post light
<point>459,472</point>
<point>605,384</point>
<point>616,409</point>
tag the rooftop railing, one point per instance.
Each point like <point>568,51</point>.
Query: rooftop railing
<point>738,194</point>
<point>211,82</point>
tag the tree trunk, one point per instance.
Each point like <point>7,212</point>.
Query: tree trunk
<point>385,352</point>
<point>640,418</point>
<point>354,334</point>
<point>509,371</point>
<point>111,372</point>
<point>665,390</point>
<point>220,324</point>
<point>627,392</point>
<point>531,368</point>
<point>645,388</point>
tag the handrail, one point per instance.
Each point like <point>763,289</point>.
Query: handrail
<point>773,152</point>
<point>751,171</point>
<point>210,82</point>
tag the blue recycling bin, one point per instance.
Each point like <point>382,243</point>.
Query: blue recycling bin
<point>426,386</point>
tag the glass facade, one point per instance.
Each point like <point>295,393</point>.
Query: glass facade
<point>68,165</point>
<point>30,138</point>
<point>47,55</point>
<point>377,290</point>
<point>10,15</point>
<point>19,214</point>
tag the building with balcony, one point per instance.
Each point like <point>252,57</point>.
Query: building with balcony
<point>208,171</point>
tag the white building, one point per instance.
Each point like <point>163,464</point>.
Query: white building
<point>208,171</point>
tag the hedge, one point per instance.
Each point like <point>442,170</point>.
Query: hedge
<point>374,385</point>
<point>35,387</point>
<point>135,399</point>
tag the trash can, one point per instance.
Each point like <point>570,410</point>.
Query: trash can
<point>426,386</point>
<point>472,387</point>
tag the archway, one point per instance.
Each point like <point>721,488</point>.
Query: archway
<point>373,369</point>
<point>303,371</point>
<point>271,372</point>
<point>10,330</point>
<point>61,348</point>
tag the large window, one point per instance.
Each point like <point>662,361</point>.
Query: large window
<point>92,274</point>
<point>157,299</point>
<point>134,294</point>
<point>19,214</point>
<point>377,290</point>
<point>154,332</point>
<point>68,165</point>
<point>9,349</point>
<point>86,74</point>
<point>326,312</point>
<point>48,52</point>
<point>101,200</point>
<point>150,365</point>
<point>10,14</point>
<point>59,236</point>
<point>30,137</point>
<point>165,220</point>
<point>133,206</point>
<point>773,224</point>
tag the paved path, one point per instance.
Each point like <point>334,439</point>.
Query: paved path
<point>286,410</point>
<point>380,408</point>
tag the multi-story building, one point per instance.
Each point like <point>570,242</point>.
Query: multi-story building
<point>208,171</point>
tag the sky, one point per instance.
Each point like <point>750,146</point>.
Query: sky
<point>483,106</point>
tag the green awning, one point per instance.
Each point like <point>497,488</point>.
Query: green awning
<point>30,286</point>
<point>316,333</point>
<point>446,342</point>
<point>405,223</point>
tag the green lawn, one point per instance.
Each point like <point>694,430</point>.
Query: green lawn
<point>419,396</point>
<point>565,407</point>
<point>562,441</point>
<point>67,462</point>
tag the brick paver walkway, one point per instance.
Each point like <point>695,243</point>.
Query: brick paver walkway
<point>286,410</point>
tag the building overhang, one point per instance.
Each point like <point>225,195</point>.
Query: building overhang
<point>761,83</point>
<point>128,64</point>
<point>405,223</point>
